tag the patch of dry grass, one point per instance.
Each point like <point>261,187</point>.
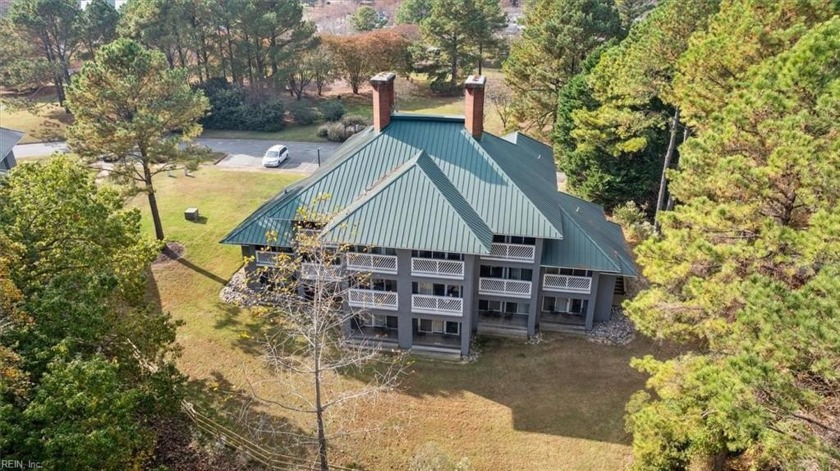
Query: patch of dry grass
<point>42,122</point>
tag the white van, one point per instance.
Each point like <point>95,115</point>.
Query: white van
<point>275,156</point>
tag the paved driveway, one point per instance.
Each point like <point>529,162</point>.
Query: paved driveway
<point>242,153</point>
<point>247,154</point>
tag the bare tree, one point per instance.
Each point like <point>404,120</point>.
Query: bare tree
<point>308,351</point>
<point>501,100</point>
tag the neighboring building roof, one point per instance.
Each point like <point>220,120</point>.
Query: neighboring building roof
<point>8,140</point>
<point>592,241</point>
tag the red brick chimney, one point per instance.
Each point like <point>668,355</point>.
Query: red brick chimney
<point>474,112</point>
<point>383,99</point>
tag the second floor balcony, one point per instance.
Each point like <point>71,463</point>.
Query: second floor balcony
<point>436,268</point>
<point>371,263</point>
<point>511,252</point>
<point>444,305</point>
<point>318,271</point>
<point>567,283</point>
<point>503,287</point>
<point>372,299</point>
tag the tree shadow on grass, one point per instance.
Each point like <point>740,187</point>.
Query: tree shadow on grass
<point>201,271</point>
<point>236,410</point>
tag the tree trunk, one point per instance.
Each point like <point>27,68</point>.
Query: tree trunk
<point>671,202</point>
<point>660,200</point>
<point>454,70</point>
<point>480,56</point>
<point>150,192</point>
<point>319,409</point>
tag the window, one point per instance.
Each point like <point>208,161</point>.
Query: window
<point>574,272</point>
<point>488,305</point>
<point>436,289</point>
<point>524,274</point>
<point>554,304</point>
<point>378,284</point>
<point>507,273</point>
<point>576,306</point>
<point>383,251</point>
<point>548,304</point>
<point>453,328</point>
<point>500,239</point>
<point>391,322</point>
<point>430,326</point>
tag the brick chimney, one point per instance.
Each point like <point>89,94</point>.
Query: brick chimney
<point>383,99</point>
<point>474,112</point>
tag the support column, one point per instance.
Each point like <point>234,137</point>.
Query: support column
<point>405,320</point>
<point>536,289</point>
<point>593,296</point>
<point>470,305</point>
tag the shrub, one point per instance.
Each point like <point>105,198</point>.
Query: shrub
<point>303,114</point>
<point>634,220</point>
<point>323,130</point>
<point>232,107</point>
<point>355,121</point>
<point>333,110</point>
<point>337,132</point>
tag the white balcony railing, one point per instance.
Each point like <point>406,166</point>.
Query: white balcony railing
<point>500,287</point>
<point>266,259</point>
<point>319,271</point>
<point>514,252</point>
<point>567,283</point>
<point>373,299</point>
<point>452,269</point>
<point>373,263</point>
<point>437,305</point>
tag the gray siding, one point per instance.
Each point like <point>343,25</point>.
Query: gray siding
<point>606,291</point>
<point>599,301</point>
<point>8,161</point>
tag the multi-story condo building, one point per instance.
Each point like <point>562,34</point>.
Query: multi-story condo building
<point>462,232</point>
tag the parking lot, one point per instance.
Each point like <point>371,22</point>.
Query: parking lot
<point>247,154</point>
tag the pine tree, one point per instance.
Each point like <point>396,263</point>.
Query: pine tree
<point>128,106</point>
<point>558,36</point>
<point>746,270</point>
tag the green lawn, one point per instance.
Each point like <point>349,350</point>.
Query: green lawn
<point>556,405</point>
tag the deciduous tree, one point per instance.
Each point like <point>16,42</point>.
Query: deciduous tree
<point>306,348</point>
<point>132,108</point>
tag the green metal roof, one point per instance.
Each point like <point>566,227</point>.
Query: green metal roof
<point>493,185</point>
<point>591,242</point>
<point>424,183</point>
<point>435,216</point>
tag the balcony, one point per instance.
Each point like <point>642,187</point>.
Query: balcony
<point>511,252</point>
<point>266,259</point>
<point>318,271</point>
<point>372,263</point>
<point>429,267</point>
<point>442,305</point>
<point>367,298</point>
<point>501,287</point>
<point>567,283</point>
